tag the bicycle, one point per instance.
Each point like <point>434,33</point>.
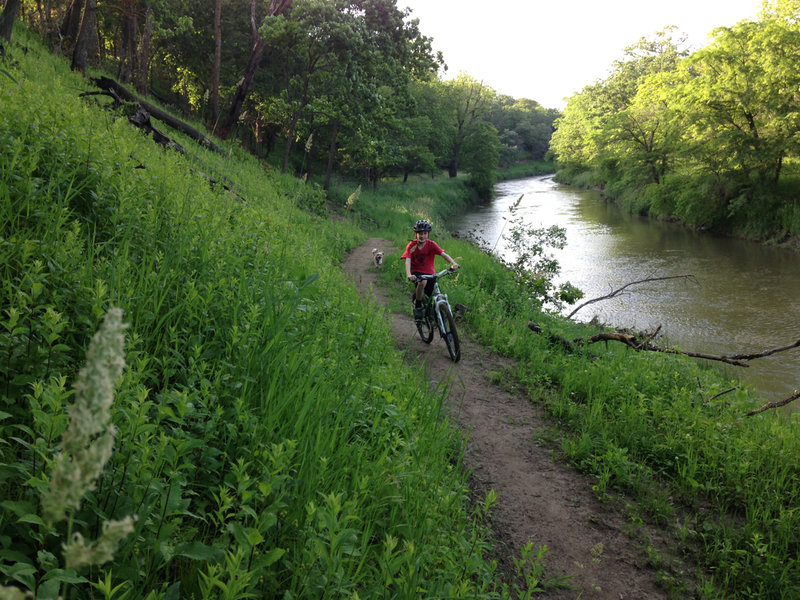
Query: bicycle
<point>436,311</point>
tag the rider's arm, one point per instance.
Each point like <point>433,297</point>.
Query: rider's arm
<point>408,270</point>
<point>453,264</point>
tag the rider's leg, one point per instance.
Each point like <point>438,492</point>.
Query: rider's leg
<point>417,298</point>
<point>419,292</point>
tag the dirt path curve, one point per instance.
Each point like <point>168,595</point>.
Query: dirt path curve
<point>539,499</point>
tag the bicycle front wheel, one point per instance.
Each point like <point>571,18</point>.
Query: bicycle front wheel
<point>425,327</point>
<point>450,334</point>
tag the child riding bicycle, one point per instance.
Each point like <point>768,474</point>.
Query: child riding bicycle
<point>419,258</point>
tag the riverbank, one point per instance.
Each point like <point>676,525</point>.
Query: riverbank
<point>719,295</point>
<point>633,201</point>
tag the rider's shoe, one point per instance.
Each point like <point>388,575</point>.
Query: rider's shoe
<point>419,312</point>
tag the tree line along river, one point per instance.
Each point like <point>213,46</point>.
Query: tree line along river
<point>742,297</point>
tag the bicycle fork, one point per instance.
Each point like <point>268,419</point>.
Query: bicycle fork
<point>438,301</point>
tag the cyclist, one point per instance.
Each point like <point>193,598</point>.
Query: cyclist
<point>419,258</point>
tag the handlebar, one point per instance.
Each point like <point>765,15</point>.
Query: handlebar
<point>442,273</point>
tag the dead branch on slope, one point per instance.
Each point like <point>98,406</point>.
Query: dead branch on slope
<point>632,341</point>
<point>123,96</point>
<point>776,404</point>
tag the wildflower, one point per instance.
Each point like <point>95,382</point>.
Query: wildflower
<point>80,554</point>
<point>10,593</point>
<point>87,443</point>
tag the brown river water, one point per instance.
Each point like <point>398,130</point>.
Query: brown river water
<point>742,297</point>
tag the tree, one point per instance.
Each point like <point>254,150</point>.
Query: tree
<point>469,100</point>
<point>7,19</point>
<point>128,60</point>
<point>745,114</point>
<point>575,143</point>
<point>645,135</point>
<point>603,129</point>
<point>71,25</point>
<point>87,40</point>
<point>275,8</point>
<point>215,73</point>
<point>524,127</point>
<point>480,153</point>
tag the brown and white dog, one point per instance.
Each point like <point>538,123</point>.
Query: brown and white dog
<point>377,257</point>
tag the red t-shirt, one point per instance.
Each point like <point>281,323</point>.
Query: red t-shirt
<point>422,258</point>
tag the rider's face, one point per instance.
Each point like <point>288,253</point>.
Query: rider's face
<point>422,235</point>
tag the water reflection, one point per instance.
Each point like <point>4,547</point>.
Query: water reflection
<point>742,297</point>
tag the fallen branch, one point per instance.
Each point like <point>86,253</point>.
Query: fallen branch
<point>141,119</point>
<point>120,93</point>
<point>722,393</point>
<point>620,291</point>
<point>766,352</point>
<point>776,404</point>
<point>632,341</point>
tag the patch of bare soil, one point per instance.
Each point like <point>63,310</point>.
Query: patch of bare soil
<point>540,499</point>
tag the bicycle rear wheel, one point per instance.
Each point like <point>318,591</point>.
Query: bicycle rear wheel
<point>450,334</point>
<point>425,326</point>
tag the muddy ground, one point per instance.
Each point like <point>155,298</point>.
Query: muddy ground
<point>511,449</point>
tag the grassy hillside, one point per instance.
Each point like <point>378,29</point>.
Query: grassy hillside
<point>267,439</point>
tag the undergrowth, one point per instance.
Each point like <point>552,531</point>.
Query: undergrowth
<point>267,440</point>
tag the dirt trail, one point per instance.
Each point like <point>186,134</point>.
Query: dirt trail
<point>540,499</point>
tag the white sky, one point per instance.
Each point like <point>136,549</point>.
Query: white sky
<point>546,50</point>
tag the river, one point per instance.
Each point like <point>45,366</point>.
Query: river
<point>742,297</point>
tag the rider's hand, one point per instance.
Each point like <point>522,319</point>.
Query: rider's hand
<point>454,267</point>
<point>412,278</point>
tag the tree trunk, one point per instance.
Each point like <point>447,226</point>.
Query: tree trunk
<point>7,19</point>
<point>214,100</point>
<point>287,149</point>
<point>275,8</point>
<point>142,77</point>
<point>45,28</point>
<point>452,168</point>
<point>127,63</point>
<point>232,116</point>
<point>331,154</point>
<point>71,25</point>
<point>86,38</point>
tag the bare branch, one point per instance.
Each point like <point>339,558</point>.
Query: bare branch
<point>777,404</point>
<point>766,352</point>
<point>632,341</point>
<point>722,393</point>
<point>621,290</point>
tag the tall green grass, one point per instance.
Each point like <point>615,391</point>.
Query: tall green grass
<point>269,441</point>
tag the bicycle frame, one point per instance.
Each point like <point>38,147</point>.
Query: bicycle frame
<point>438,297</point>
<point>438,304</point>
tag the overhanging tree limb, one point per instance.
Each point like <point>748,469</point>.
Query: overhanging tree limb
<point>776,404</point>
<point>620,291</point>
